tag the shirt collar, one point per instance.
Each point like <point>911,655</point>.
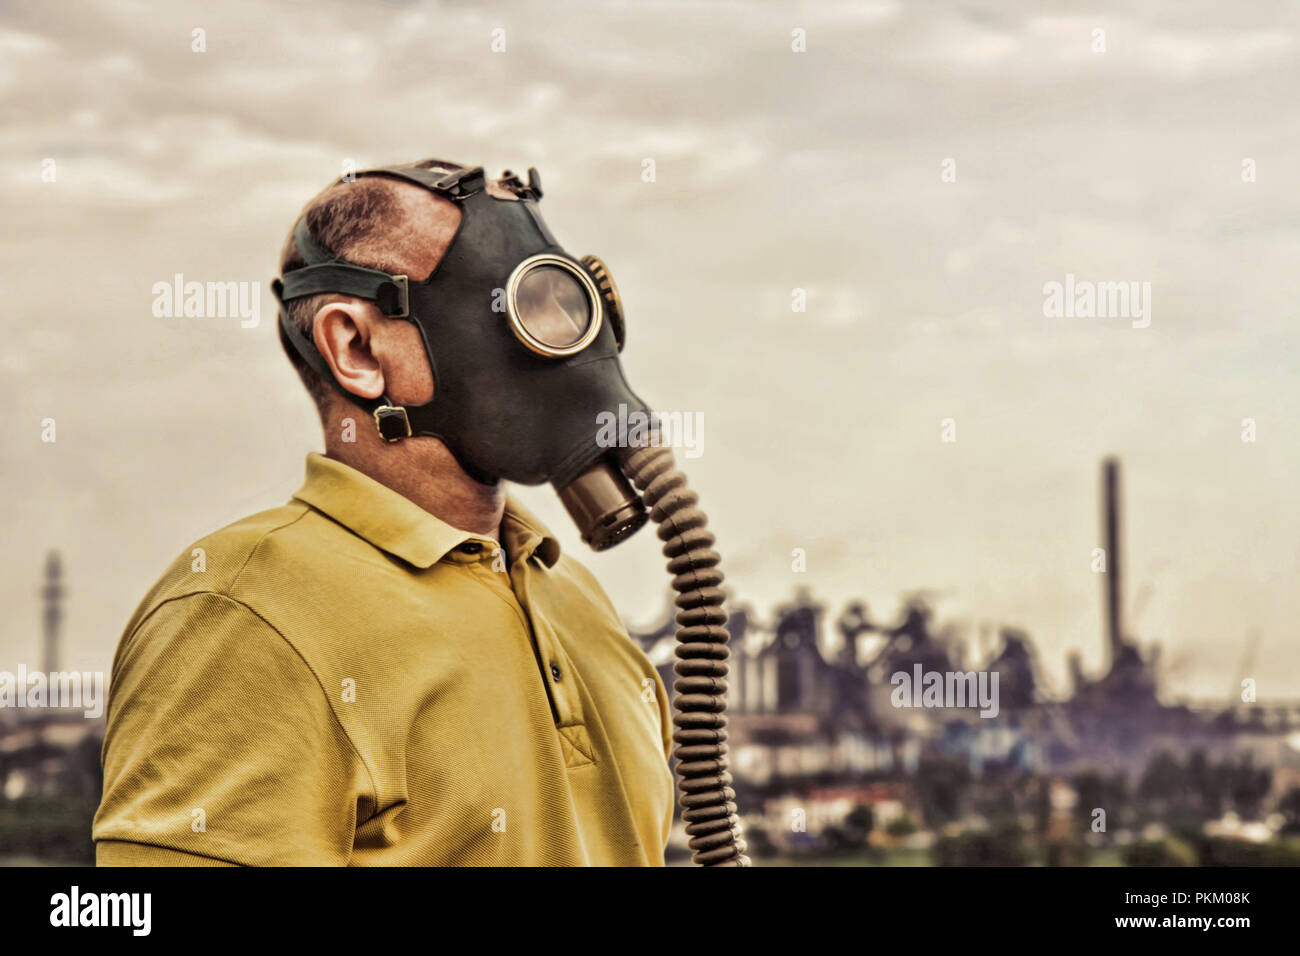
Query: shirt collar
<point>394,523</point>
<point>525,536</point>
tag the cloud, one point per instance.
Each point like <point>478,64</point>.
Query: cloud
<point>776,170</point>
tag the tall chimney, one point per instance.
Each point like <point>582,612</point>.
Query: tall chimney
<point>1114,579</point>
<point>52,592</point>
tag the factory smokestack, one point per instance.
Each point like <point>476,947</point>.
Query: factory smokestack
<point>52,595</point>
<point>1114,579</point>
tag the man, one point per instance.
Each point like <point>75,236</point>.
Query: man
<point>399,666</point>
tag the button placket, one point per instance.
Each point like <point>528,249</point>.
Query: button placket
<point>556,669</point>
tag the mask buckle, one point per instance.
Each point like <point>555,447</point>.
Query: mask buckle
<point>461,183</point>
<point>533,190</point>
<point>392,422</point>
<point>394,298</point>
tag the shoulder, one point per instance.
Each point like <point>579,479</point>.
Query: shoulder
<point>213,563</point>
<point>201,590</point>
<point>256,560</point>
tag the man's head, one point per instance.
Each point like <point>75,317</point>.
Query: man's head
<point>386,224</point>
<point>502,359</point>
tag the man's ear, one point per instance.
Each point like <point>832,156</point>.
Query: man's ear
<point>344,334</point>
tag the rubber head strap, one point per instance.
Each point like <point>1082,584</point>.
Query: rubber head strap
<point>326,273</point>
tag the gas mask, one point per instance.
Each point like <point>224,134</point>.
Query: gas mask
<point>523,340</point>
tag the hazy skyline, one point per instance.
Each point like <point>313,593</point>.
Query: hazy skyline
<point>775,171</point>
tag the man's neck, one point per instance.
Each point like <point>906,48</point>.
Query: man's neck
<point>422,470</point>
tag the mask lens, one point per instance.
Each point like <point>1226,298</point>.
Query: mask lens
<point>553,306</point>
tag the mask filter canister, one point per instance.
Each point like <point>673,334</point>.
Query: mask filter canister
<point>603,505</point>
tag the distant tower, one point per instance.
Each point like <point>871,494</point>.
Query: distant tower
<point>1113,580</point>
<point>52,594</point>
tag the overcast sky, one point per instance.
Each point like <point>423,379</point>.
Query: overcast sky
<point>775,170</point>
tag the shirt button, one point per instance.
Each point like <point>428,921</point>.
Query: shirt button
<point>555,671</point>
<point>471,547</point>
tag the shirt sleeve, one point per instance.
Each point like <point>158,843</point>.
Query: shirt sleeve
<point>222,747</point>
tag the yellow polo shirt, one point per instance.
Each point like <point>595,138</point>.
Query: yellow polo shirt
<point>349,680</point>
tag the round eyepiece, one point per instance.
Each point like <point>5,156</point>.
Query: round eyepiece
<point>553,305</point>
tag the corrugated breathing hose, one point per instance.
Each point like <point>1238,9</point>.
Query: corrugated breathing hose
<point>700,691</point>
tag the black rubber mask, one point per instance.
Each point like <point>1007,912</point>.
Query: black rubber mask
<point>522,339</point>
